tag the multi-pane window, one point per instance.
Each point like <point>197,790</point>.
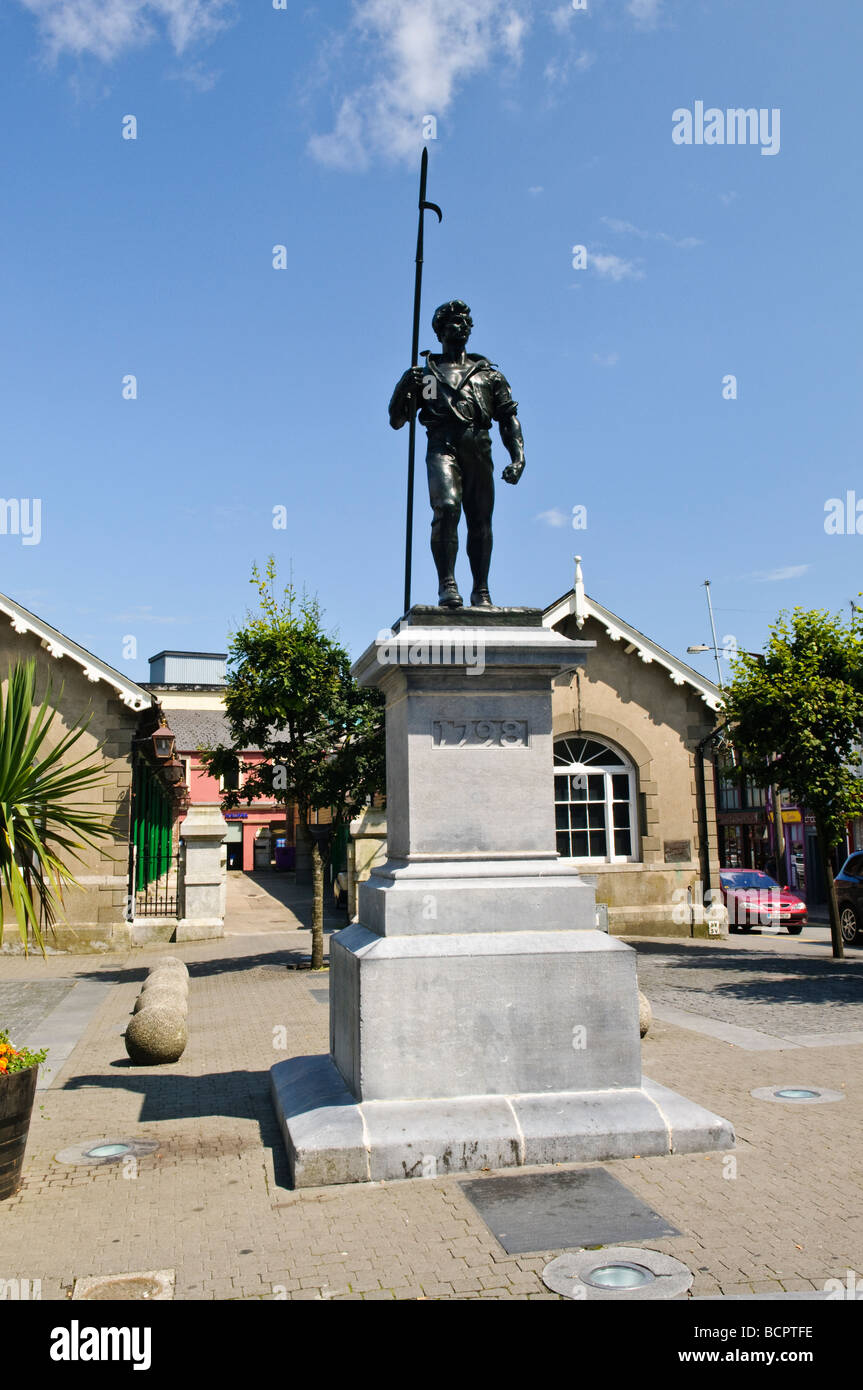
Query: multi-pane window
<point>736,792</point>
<point>594,801</point>
<point>730,798</point>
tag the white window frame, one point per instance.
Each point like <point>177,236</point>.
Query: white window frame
<point>608,771</point>
<point>222,787</point>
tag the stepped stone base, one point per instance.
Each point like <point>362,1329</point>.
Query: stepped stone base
<point>330,1138</point>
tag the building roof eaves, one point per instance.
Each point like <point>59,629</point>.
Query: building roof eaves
<point>58,645</point>
<point>648,650</point>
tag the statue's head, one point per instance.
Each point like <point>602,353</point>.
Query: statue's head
<point>452,320</point>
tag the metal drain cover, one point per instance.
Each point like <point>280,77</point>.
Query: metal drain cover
<point>95,1153</point>
<point>618,1271</point>
<point>550,1211</point>
<point>155,1285</point>
<point>797,1095</point>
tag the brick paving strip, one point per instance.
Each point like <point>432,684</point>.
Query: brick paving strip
<point>213,1204</point>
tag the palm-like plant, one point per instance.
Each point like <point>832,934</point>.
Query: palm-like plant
<point>40,831</point>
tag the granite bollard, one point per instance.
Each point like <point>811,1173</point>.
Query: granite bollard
<point>156,1035</point>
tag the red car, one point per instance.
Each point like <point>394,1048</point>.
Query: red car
<point>754,899</point>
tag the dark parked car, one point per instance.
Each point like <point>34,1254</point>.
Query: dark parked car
<point>849,899</point>
<point>754,899</point>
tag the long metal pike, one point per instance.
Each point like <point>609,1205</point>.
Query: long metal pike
<point>424,207</point>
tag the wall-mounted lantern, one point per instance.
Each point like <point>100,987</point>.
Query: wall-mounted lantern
<point>164,743</point>
<point>174,771</point>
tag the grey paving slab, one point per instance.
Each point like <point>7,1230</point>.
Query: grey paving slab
<point>749,1038</point>
<point>854,1039</point>
<point>61,1029</point>
<point>554,1211</point>
<point>25,1003</point>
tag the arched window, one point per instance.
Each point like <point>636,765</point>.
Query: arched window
<point>594,801</point>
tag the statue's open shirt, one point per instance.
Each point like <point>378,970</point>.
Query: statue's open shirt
<point>482,395</point>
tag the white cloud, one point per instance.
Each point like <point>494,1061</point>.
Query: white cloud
<point>646,13</point>
<point>557,70</point>
<point>536,188</point>
<point>562,17</point>
<point>419,56</point>
<point>107,28</point>
<point>553,517</point>
<point>614,267</point>
<point>785,572</point>
<point>566,61</point>
<point>196,75</point>
<point>616,224</point>
<point>606,359</point>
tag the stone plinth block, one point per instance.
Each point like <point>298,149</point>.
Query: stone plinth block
<point>469,737</point>
<point>495,1012</point>
<point>331,1138</point>
<point>413,897</point>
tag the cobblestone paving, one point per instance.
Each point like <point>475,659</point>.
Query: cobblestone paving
<point>24,1005</point>
<point>783,993</point>
<point>784,1212</point>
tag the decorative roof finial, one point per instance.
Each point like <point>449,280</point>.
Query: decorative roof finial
<point>580,609</point>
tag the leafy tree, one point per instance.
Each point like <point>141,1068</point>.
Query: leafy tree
<point>291,695</point>
<point>40,831</point>
<point>800,705</point>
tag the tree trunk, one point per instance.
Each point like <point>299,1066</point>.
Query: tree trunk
<point>303,859</point>
<point>779,838</point>
<point>827,869</point>
<point>317,907</point>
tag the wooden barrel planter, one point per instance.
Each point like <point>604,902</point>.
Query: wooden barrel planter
<point>17,1092</point>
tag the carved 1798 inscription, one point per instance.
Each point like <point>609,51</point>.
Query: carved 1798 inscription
<point>480,733</point>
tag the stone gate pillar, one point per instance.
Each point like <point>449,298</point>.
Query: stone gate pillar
<point>203,874</point>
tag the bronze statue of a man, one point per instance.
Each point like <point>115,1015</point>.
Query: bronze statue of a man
<point>459,394</point>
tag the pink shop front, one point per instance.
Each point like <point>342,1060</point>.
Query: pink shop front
<point>257,841</point>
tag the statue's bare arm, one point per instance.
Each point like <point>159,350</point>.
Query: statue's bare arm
<point>513,440</point>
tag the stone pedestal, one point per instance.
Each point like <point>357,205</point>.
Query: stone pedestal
<point>477,1017</point>
<point>203,874</point>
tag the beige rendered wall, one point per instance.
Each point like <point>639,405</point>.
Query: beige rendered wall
<point>636,706</point>
<point>95,912</point>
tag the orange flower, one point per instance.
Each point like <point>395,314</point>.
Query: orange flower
<point>4,1047</point>
<point>3,1064</point>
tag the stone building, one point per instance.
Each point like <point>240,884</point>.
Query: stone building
<point>634,784</point>
<point>160,877</point>
<point>83,687</point>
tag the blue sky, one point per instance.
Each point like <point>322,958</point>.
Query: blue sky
<point>260,388</point>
